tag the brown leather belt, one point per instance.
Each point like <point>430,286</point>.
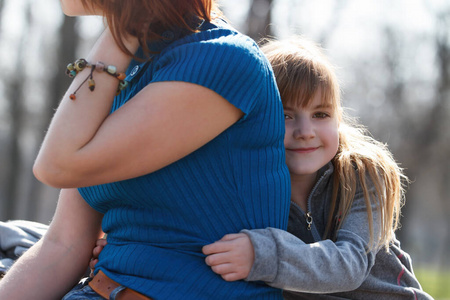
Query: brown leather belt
<point>104,286</point>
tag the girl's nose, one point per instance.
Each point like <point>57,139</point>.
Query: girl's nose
<point>304,130</point>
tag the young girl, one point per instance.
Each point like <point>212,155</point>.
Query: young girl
<point>345,204</point>
<point>170,164</point>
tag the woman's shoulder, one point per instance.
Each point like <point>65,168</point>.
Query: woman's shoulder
<point>223,60</point>
<point>216,50</point>
<point>219,42</point>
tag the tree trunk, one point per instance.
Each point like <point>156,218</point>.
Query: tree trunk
<point>15,92</point>
<point>57,85</point>
<point>259,18</point>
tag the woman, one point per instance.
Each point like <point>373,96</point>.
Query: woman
<point>190,149</point>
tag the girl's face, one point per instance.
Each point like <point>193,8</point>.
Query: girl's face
<point>312,137</point>
<point>76,8</point>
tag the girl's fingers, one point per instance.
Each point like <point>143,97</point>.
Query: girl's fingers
<point>232,277</point>
<point>96,251</point>
<point>228,272</point>
<point>92,263</point>
<point>231,236</point>
<point>101,242</point>
<point>222,269</point>
<point>217,259</point>
<point>222,245</point>
<point>217,247</point>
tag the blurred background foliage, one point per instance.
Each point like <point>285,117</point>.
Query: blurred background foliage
<point>393,60</point>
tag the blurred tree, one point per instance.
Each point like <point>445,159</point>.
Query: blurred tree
<point>414,123</point>
<point>259,19</point>
<point>68,40</point>
<point>3,204</point>
<point>15,87</point>
<point>23,197</point>
<point>436,133</point>
<point>331,26</point>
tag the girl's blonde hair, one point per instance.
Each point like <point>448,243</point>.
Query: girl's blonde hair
<point>301,70</point>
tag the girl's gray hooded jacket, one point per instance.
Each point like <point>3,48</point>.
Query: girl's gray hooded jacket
<point>307,267</point>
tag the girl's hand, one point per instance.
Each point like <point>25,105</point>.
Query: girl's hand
<point>95,254</point>
<point>231,257</point>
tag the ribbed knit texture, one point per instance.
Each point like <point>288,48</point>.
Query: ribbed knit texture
<point>158,223</point>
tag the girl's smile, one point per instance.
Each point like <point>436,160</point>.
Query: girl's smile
<point>304,150</point>
<point>311,138</point>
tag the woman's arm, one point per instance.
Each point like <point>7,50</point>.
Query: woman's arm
<point>85,145</point>
<point>54,265</point>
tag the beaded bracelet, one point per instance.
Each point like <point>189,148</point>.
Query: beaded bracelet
<point>80,64</point>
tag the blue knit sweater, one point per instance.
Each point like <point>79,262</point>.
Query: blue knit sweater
<point>158,223</point>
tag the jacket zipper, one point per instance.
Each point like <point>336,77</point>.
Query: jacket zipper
<point>309,220</point>
<point>308,215</point>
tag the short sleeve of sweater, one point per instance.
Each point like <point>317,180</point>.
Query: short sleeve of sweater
<point>224,61</point>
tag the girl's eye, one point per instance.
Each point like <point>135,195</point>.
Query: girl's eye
<point>287,117</point>
<point>321,115</point>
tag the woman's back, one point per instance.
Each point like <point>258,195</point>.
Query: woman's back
<point>158,223</point>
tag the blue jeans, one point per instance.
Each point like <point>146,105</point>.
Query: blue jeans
<point>82,291</point>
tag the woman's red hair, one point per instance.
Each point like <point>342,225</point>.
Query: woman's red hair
<point>147,19</point>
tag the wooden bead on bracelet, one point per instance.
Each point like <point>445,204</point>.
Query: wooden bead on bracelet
<point>80,64</point>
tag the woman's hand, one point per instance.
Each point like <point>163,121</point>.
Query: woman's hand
<point>231,257</point>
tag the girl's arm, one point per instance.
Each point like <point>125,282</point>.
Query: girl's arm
<point>284,261</point>
<point>56,263</point>
<point>86,145</point>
